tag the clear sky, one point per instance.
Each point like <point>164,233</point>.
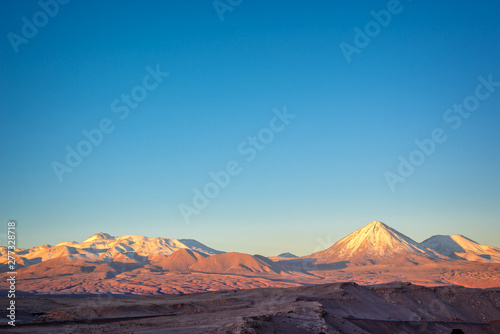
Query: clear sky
<point>361,92</point>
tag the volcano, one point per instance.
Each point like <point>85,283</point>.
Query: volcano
<point>377,243</point>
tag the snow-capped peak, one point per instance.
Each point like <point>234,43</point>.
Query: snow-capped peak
<point>101,246</point>
<point>376,223</point>
<point>374,242</point>
<point>457,246</point>
<point>99,236</point>
<point>379,238</point>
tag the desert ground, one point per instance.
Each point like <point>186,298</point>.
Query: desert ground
<point>326,308</point>
<point>70,278</point>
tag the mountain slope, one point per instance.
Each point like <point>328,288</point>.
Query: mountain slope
<point>199,247</point>
<point>376,243</point>
<point>459,247</point>
<point>67,266</point>
<point>235,263</point>
<point>181,260</point>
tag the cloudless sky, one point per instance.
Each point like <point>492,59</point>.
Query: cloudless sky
<point>318,180</point>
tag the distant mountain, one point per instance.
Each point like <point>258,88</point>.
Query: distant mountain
<point>287,255</point>
<point>283,256</point>
<point>459,247</point>
<point>376,243</point>
<point>102,247</point>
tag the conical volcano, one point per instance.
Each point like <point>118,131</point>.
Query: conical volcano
<point>376,243</point>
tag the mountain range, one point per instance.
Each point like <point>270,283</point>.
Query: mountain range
<point>375,253</point>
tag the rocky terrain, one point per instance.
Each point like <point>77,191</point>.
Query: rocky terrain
<point>326,308</point>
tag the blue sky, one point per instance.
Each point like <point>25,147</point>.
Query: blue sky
<point>320,178</point>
